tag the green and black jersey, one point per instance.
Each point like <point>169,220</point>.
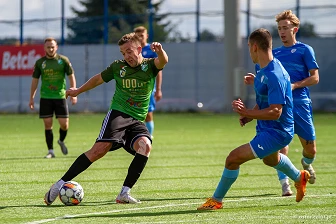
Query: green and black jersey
<point>52,72</point>
<point>133,86</point>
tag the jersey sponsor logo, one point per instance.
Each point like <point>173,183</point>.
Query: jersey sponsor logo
<point>260,147</point>
<point>44,64</point>
<point>122,71</point>
<point>293,50</point>
<point>52,87</point>
<point>144,67</point>
<point>133,103</point>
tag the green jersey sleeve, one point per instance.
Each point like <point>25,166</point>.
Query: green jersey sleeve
<point>37,69</point>
<point>68,69</point>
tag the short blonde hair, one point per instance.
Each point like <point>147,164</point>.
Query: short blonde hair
<point>130,37</point>
<point>288,15</point>
<point>140,29</point>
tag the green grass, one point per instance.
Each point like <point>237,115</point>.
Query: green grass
<point>185,165</point>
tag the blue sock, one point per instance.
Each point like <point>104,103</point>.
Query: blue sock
<point>228,178</point>
<point>307,160</point>
<point>281,175</point>
<point>150,127</point>
<point>287,167</point>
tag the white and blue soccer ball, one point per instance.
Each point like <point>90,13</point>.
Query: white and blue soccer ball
<point>71,193</point>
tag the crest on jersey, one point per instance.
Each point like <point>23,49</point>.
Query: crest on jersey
<point>44,64</point>
<point>122,71</point>
<point>60,61</point>
<point>293,50</point>
<point>144,67</point>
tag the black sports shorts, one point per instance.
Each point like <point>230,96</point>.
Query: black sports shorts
<point>50,106</point>
<point>122,130</point>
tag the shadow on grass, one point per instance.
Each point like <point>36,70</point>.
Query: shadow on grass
<point>137,214</point>
<point>38,158</point>
<point>100,203</point>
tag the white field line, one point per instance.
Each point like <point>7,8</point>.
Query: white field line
<point>164,206</point>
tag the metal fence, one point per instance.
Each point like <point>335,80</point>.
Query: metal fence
<point>189,18</point>
<point>194,74</point>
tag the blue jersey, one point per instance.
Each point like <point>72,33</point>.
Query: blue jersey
<point>272,86</point>
<point>297,60</point>
<point>147,52</point>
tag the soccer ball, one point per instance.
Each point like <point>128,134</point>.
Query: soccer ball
<point>71,193</point>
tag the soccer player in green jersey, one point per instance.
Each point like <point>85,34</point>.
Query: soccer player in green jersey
<point>53,68</point>
<point>123,125</point>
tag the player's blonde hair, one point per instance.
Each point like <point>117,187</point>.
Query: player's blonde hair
<point>140,29</point>
<point>288,15</point>
<point>130,37</point>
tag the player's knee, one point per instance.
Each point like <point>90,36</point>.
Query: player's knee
<point>309,152</point>
<point>48,123</point>
<point>98,150</point>
<point>284,150</point>
<point>64,125</point>
<point>232,162</point>
<point>268,163</point>
<point>143,146</point>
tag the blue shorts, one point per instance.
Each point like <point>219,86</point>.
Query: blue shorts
<point>269,141</point>
<point>152,103</point>
<point>303,121</point>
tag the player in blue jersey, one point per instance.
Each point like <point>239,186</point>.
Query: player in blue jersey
<point>142,33</point>
<point>299,61</point>
<point>275,123</point>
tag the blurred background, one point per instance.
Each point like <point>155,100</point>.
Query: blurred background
<point>205,69</point>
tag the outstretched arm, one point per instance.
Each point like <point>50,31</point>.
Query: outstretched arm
<point>273,112</point>
<point>90,84</point>
<point>313,79</point>
<point>162,57</point>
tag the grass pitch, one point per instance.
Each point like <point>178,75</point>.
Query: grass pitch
<point>185,165</point>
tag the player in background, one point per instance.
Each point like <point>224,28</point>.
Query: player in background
<point>123,124</point>
<point>157,93</point>
<point>299,61</point>
<point>53,68</point>
<point>275,124</point>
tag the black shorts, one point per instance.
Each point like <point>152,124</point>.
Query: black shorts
<point>122,130</point>
<point>50,106</point>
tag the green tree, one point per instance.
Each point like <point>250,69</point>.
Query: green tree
<point>124,15</point>
<point>307,30</point>
<point>207,35</point>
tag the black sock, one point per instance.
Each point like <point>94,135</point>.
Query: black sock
<point>62,134</point>
<point>49,138</point>
<point>80,164</point>
<point>135,169</point>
